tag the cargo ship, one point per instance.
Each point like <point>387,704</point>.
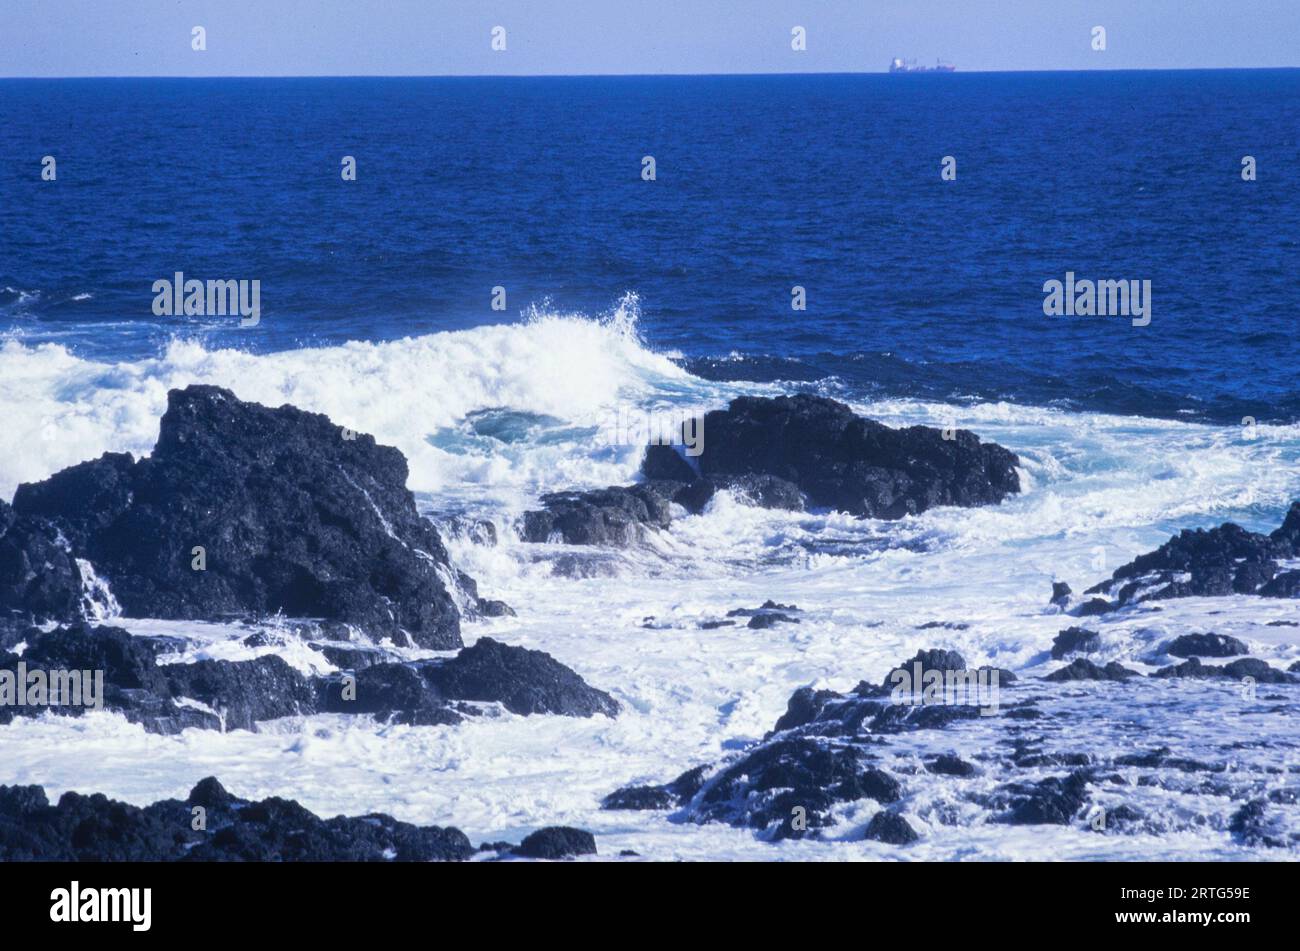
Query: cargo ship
<point>909,66</point>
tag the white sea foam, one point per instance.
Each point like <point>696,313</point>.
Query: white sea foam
<point>492,416</point>
<point>564,371</point>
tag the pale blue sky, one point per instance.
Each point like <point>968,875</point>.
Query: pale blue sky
<point>436,37</point>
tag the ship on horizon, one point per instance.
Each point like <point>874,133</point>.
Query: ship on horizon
<point>909,66</point>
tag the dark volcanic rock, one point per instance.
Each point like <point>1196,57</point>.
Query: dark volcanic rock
<point>819,755</point>
<point>677,793</point>
<point>347,657</point>
<point>1060,594</point>
<point>693,491</point>
<point>244,692</point>
<point>292,517</point>
<point>240,694</point>
<point>1251,824</point>
<point>784,453</point>
<point>490,608</point>
<point>1094,607</point>
<point>127,661</point>
<point>124,667</point>
<point>664,463</point>
<point>1236,670</point>
<point>640,797</point>
<point>1287,535</point>
<point>788,786</point>
<point>1055,801</point>
<point>1206,563</point>
<point>94,828</point>
<point>1075,640</point>
<point>948,764</point>
<point>616,516</point>
<point>1206,645</point>
<point>391,692</point>
<point>1083,669</point>
<point>135,685</point>
<point>770,619</point>
<point>556,842</point>
<point>1283,585</point>
<point>830,751</point>
<point>928,660</point>
<point>889,827</point>
<point>523,681</point>
<point>843,461</point>
<point>766,606</point>
<point>39,577</point>
<point>765,491</point>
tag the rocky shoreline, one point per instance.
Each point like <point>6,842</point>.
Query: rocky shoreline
<point>868,764</point>
<point>245,514</point>
<point>211,825</point>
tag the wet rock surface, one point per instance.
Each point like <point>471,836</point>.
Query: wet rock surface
<point>1041,752</point>
<point>615,516</point>
<point>787,452</point>
<point>39,577</point>
<point>1075,640</point>
<point>94,828</point>
<point>1201,563</point>
<point>226,695</point>
<point>292,514</point>
<point>852,464</point>
<point>1083,669</point>
<point>556,842</point>
<point>1206,645</point>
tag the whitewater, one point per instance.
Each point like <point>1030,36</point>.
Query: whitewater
<point>490,418</point>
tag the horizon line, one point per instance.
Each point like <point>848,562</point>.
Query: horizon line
<point>881,72</point>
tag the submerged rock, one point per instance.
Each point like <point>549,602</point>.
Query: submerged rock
<point>246,511</point>
<point>769,619</point>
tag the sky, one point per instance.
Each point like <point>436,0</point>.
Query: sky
<point>65,38</point>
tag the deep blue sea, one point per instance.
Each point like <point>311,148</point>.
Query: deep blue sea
<point>915,286</point>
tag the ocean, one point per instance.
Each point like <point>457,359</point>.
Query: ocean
<point>924,303</point>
